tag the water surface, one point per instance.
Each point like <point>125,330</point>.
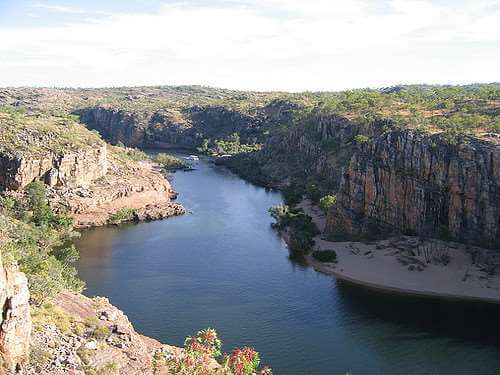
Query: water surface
<point>223,266</point>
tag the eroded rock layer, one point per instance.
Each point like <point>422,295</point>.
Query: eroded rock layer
<point>15,321</point>
<point>421,184</point>
<point>78,168</point>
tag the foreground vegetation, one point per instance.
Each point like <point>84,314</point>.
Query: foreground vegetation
<point>40,242</point>
<point>200,356</point>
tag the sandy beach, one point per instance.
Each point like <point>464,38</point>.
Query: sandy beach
<point>412,266</point>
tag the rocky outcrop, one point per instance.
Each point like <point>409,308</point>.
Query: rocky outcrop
<point>15,321</point>
<point>421,184</point>
<point>127,185</point>
<point>77,168</point>
<point>99,339</point>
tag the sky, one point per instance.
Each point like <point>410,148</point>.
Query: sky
<point>289,45</point>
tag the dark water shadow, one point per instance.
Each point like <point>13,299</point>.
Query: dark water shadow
<point>420,318</point>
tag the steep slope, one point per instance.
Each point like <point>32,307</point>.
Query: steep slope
<point>15,321</point>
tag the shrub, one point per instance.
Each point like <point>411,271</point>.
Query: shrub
<point>38,203</point>
<point>301,228</point>
<point>202,350</point>
<point>101,332</point>
<point>136,155</point>
<point>361,139</point>
<point>170,161</point>
<point>122,216</point>
<point>292,194</point>
<point>325,256</point>
<point>40,244</point>
<point>327,201</point>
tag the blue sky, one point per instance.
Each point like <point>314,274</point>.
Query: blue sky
<point>249,44</point>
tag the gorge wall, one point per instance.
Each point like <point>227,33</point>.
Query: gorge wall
<point>15,321</point>
<point>185,128</point>
<point>78,168</point>
<point>387,179</point>
<point>421,184</point>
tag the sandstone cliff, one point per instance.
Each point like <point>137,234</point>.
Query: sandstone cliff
<point>128,185</point>
<point>15,321</point>
<point>78,168</point>
<point>421,184</point>
<point>391,180</point>
<point>87,178</point>
<point>184,127</point>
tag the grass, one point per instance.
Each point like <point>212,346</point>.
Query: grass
<point>48,313</point>
<point>42,134</point>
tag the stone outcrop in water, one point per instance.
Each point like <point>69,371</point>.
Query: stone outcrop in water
<point>15,321</point>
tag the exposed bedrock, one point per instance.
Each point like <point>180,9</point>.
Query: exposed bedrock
<point>15,321</point>
<point>390,180</point>
<point>78,168</point>
<point>421,184</point>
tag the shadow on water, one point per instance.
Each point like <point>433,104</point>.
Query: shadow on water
<point>420,318</point>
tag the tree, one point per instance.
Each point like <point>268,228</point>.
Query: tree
<point>38,204</point>
<point>327,201</point>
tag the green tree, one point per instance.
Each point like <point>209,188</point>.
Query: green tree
<point>38,203</point>
<point>327,201</point>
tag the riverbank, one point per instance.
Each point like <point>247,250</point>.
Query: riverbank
<point>409,265</point>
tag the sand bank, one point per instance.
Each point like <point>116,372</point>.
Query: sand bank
<point>412,266</point>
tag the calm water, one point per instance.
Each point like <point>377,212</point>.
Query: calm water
<point>223,266</point>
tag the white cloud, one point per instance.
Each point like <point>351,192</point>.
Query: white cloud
<point>58,8</point>
<point>263,44</point>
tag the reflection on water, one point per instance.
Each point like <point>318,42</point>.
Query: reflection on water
<point>224,266</point>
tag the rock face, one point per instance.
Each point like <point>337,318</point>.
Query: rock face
<point>421,184</point>
<point>392,180</point>
<point>389,180</point>
<point>127,185</point>
<point>100,339</point>
<point>69,169</point>
<point>15,321</point>
<point>184,128</point>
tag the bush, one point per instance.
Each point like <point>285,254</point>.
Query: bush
<point>231,145</point>
<point>325,256</point>
<point>361,139</point>
<point>202,350</point>
<point>40,244</point>
<point>301,228</point>
<point>293,194</point>
<point>122,216</point>
<point>170,161</point>
<point>327,201</point>
<point>38,203</point>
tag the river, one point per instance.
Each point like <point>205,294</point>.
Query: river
<point>223,266</point>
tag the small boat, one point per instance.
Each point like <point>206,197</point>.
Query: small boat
<point>192,157</point>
